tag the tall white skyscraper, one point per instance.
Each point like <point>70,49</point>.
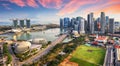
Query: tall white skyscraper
<point>82,26</point>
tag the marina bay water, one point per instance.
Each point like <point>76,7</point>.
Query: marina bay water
<point>49,35</point>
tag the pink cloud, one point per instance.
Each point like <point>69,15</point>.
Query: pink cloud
<point>45,3</point>
<point>18,2</point>
<point>103,6</point>
<point>51,3</point>
<point>74,5</point>
<point>32,3</point>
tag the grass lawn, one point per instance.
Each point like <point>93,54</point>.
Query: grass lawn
<point>88,56</point>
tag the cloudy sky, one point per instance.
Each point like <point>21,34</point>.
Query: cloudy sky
<point>49,11</point>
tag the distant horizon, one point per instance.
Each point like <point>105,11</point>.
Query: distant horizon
<point>34,23</point>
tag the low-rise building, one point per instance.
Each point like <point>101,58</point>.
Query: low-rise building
<point>39,41</point>
<point>101,39</point>
<point>21,47</point>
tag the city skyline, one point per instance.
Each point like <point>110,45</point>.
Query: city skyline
<point>52,10</point>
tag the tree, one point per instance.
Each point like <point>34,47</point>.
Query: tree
<point>6,53</point>
<point>49,42</point>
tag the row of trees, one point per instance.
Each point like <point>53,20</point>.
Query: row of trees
<point>6,53</point>
<point>53,58</point>
<point>68,48</point>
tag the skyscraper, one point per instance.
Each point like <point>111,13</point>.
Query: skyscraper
<point>61,25</point>
<point>107,19</point>
<point>103,22</point>
<point>28,23</point>
<point>66,22</point>
<point>82,22</point>
<point>90,23</point>
<point>95,26</point>
<point>73,22</point>
<point>22,23</point>
<point>76,27</point>
<point>15,23</point>
<point>107,24</point>
<point>117,26</point>
<point>111,25</point>
<point>85,26</point>
<point>78,18</point>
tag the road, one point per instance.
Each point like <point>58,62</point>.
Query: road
<point>15,61</point>
<point>44,51</point>
<point>109,56</point>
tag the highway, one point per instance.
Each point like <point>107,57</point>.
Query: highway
<point>44,51</point>
<point>109,56</point>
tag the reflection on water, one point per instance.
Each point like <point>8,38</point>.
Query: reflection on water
<point>21,36</point>
<point>49,35</point>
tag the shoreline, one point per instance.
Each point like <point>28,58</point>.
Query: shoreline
<point>32,29</point>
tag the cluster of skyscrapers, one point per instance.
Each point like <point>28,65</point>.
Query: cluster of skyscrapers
<point>101,25</point>
<point>21,23</point>
<point>76,24</point>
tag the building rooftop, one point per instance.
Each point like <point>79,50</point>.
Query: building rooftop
<point>101,38</point>
<point>35,46</point>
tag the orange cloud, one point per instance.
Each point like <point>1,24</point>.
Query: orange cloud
<point>32,3</point>
<point>114,9</point>
<point>114,1</point>
<point>74,5</point>
<point>51,3</point>
<point>102,6</point>
<point>18,2</point>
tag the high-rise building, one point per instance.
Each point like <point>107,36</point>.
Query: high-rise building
<point>22,23</point>
<point>90,23</point>
<point>103,22</point>
<point>117,27</point>
<point>111,25</point>
<point>107,24</point>
<point>76,27</point>
<point>73,22</point>
<point>61,25</point>
<point>86,29</point>
<point>82,22</point>
<point>95,26</point>
<point>107,19</point>
<point>28,25</point>
<point>66,22</point>
<point>15,23</point>
<point>78,18</point>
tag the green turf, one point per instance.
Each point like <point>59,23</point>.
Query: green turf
<point>88,56</point>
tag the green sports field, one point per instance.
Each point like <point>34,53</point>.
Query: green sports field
<point>88,56</point>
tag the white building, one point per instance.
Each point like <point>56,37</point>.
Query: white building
<point>117,26</point>
<point>39,41</point>
<point>21,47</point>
<point>82,26</point>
